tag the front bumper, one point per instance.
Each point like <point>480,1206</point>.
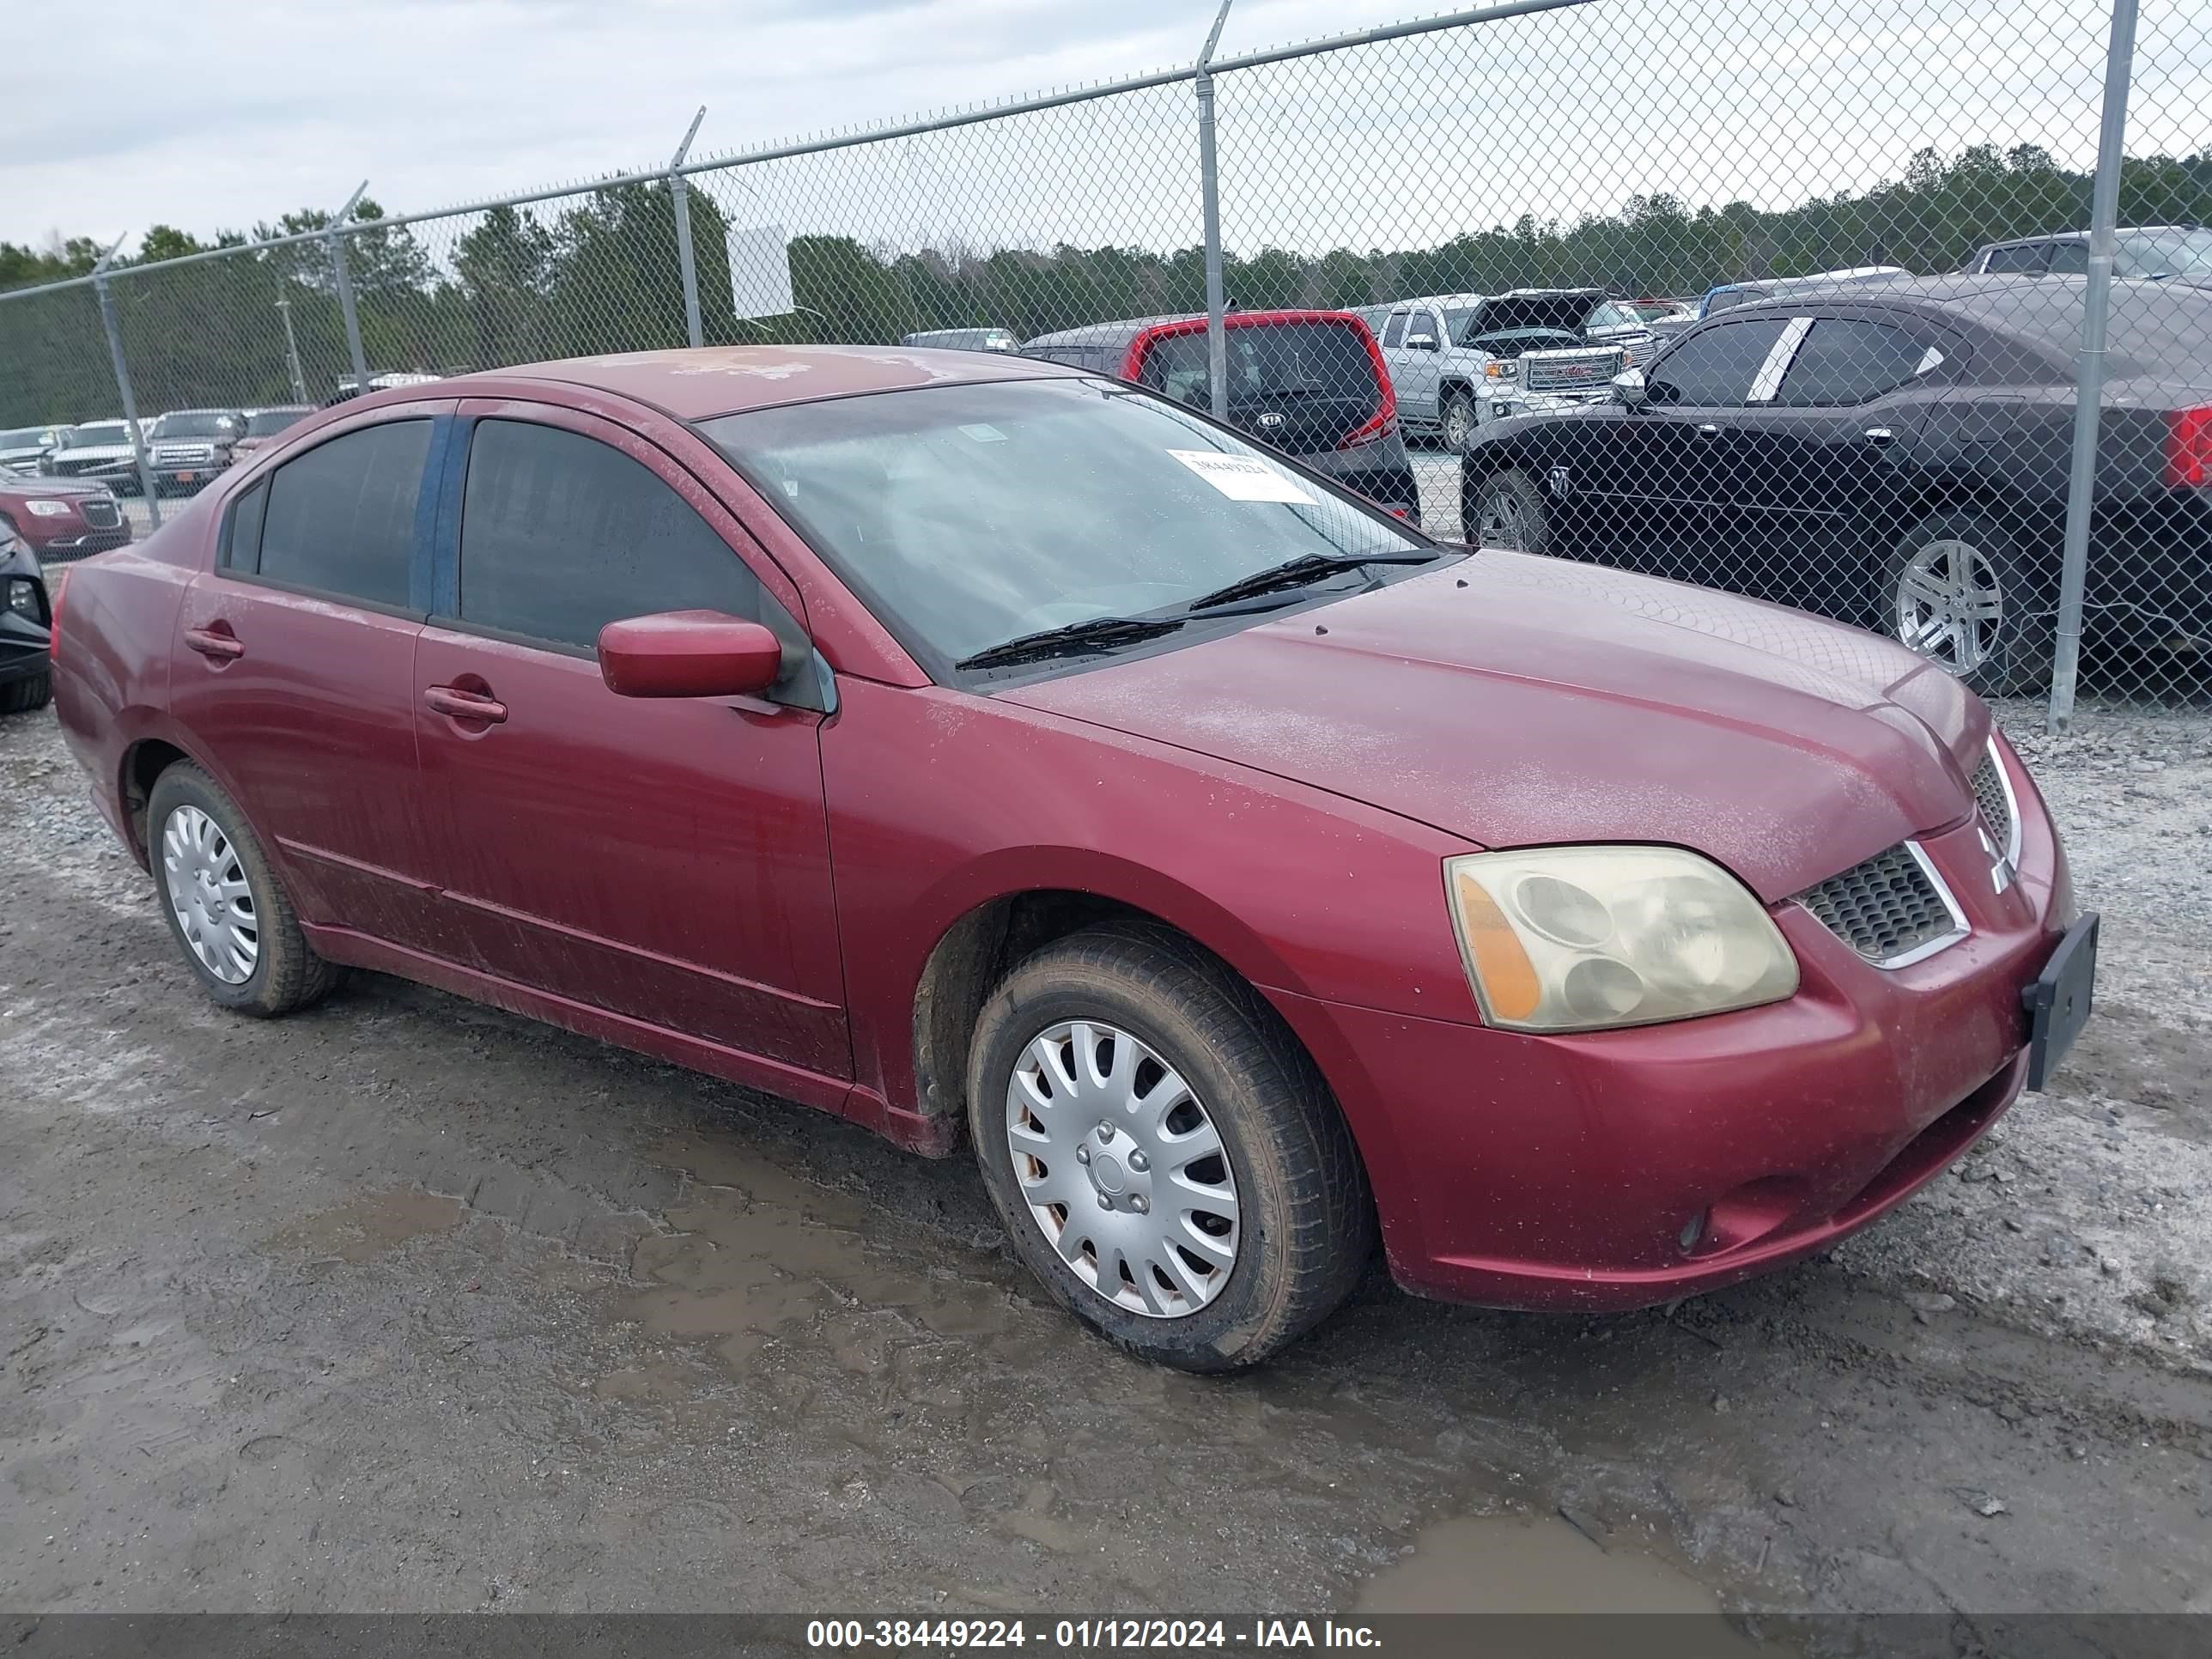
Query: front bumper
<point>56,541</point>
<point>1493,405</point>
<point>1616,1170</point>
<point>22,648</point>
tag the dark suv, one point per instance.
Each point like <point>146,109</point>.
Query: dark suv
<point>1311,384</point>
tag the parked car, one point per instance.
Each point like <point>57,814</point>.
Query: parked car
<point>24,683</point>
<point>1004,756</point>
<point>262,424</point>
<point>963,339</point>
<point>63,519</point>
<point>1724,295</point>
<point>1895,457</point>
<point>188,446</point>
<point>1462,360</point>
<point>1311,384</point>
<point>24,447</point>
<point>97,449</point>
<point>349,386</point>
<point>2182,253</point>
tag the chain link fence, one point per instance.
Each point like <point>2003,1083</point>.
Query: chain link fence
<point>1666,287</point>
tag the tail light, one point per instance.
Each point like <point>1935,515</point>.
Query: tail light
<point>1384,423</point>
<point>54,616</point>
<point>2188,449</point>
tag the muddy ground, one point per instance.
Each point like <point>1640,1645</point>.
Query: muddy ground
<point>403,1303</point>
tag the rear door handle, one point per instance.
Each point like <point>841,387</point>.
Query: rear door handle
<point>1879,435</point>
<point>465,705</point>
<point>1709,432</point>
<point>218,642</point>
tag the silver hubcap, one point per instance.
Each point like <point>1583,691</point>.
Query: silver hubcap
<point>1949,606</point>
<point>1123,1171</point>
<point>208,890</point>
<point>1499,522</point>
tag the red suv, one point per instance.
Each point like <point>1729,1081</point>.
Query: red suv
<point>1002,756</point>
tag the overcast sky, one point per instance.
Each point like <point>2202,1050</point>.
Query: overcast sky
<point>222,116</point>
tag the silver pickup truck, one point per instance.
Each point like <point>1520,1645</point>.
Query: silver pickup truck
<point>1459,361</point>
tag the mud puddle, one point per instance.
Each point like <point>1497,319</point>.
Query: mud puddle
<point>366,1227</point>
<point>1528,1564</point>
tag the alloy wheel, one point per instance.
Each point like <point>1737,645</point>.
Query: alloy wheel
<point>210,896</point>
<point>1459,424</point>
<point>1123,1169</point>
<point>1500,519</point>
<point>1950,605</point>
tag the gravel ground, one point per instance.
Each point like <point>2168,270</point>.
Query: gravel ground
<point>406,1304</point>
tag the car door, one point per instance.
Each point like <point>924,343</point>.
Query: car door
<point>1419,384</point>
<point>666,860</point>
<point>295,672</point>
<point>1825,461</point>
<point>1671,481</point>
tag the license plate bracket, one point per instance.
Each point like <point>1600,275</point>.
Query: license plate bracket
<point>2059,1000</point>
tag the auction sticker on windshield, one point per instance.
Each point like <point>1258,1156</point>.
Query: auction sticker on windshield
<point>1241,477</point>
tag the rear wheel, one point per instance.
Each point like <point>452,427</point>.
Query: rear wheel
<point>230,916</point>
<point>1459,419</point>
<point>1166,1158</point>
<point>1507,509</point>
<point>1958,590</point>
<point>24,695</point>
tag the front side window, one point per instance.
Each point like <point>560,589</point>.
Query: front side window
<point>1715,368</point>
<point>561,534</point>
<point>964,516</point>
<point>2020,260</point>
<point>340,518</point>
<point>1395,334</point>
<point>1844,361</point>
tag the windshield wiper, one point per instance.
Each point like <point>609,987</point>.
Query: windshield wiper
<point>1071,640</point>
<point>1307,568</point>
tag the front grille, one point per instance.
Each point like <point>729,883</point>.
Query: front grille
<point>183,454</point>
<point>1889,909</point>
<point>101,515</point>
<point>1588,372</point>
<point>1995,802</point>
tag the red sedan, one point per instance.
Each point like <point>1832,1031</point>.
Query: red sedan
<point>1001,755</point>
<point>63,519</point>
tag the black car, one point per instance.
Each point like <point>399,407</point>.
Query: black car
<point>24,617</point>
<point>1311,384</point>
<point>1896,457</point>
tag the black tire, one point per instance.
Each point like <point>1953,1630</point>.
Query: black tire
<point>24,695</point>
<point>1306,1221</point>
<point>1458,419</point>
<point>286,975</point>
<point>1522,516</point>
<point>2011,657</point>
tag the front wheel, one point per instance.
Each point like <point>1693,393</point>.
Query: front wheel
<point>1167,1159</point>
<point>1459,421</point>
<point>1508,510</point>
<point>1957,590</point>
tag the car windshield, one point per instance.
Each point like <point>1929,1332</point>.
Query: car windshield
<point>99,432</point>
<point>2164,253</point>
<point>1266,360</point>
<point>1460,323</point>
<point>196,424</point>
<point>968,515</point>
<point>268,422</point>
<point>28,437</point>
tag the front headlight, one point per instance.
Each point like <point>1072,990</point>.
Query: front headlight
<point>23,598</point>
<point>1500,371</point>
<point>48,509</point>
<point>1579,938</point>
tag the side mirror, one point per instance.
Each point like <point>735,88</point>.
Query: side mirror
<point>1420,342</point>
<point>689,653</point>
<point>1629,390</point>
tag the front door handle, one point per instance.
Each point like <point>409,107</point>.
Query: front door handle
<point>1880,435</point>
<point>1709,431</point>
<point>465,705</point>
<point>217,642</point>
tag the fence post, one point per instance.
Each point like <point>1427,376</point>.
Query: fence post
<point>292,352</point>
<point>1209,175</point>
<point>679,199</point>
<point>150,494</point>
<point>2089,378</point>
<point>345,279</point>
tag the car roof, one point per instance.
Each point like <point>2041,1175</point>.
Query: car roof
<point>698,384</point>
<point>1129,328</point>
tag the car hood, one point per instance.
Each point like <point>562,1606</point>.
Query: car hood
<point>97,453</point>
<point>1518,700</point>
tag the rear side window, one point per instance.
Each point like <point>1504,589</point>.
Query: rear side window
<point>561,534</point>
<point>1845,361</point>
<point>340,518</point>
<point>2014,261</point>
<point>1715,368</point>
<point>1267,360</point>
